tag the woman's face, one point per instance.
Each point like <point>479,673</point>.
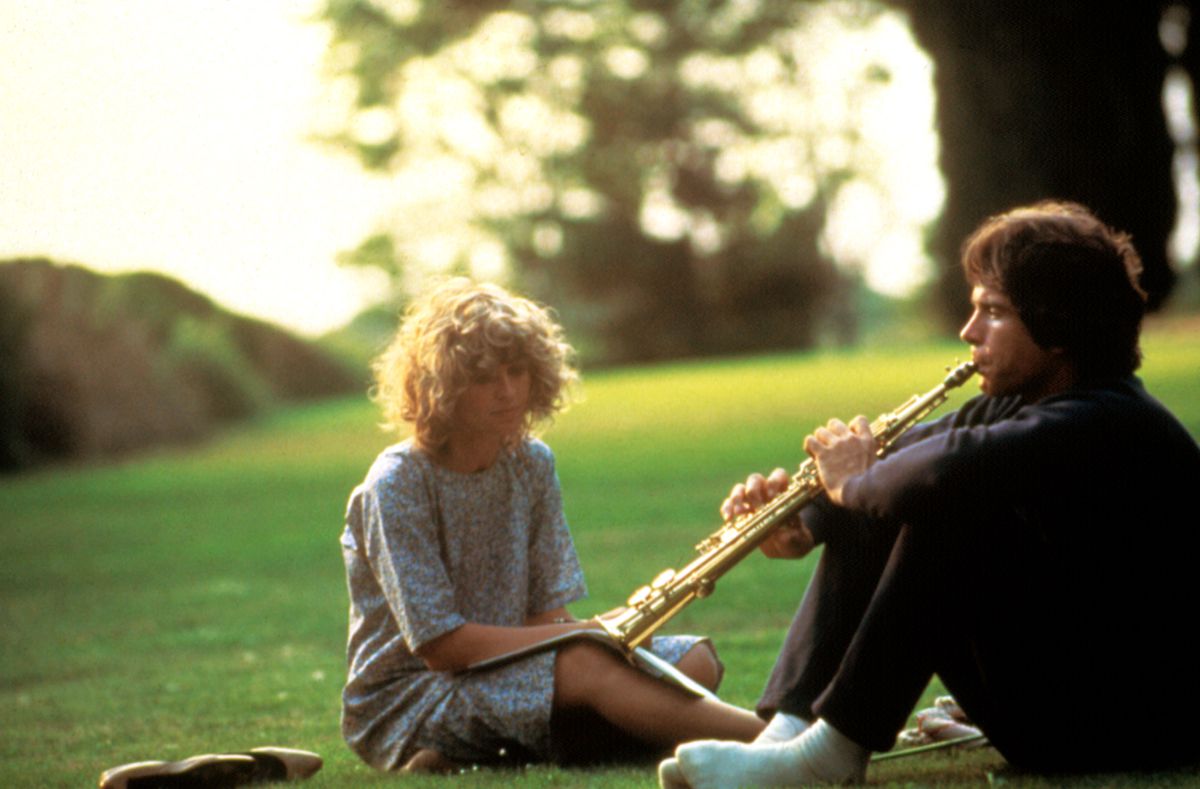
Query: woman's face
<point>495,403</point>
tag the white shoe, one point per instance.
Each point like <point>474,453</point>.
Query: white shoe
<point>670,776</point>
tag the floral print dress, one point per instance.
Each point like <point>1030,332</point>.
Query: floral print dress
<point>427,550</point>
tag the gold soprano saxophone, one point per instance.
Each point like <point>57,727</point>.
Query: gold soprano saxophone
<point>652,605</point>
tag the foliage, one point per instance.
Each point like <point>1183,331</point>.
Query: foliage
<point>14,448</point>
<point>364,337</point>
<point>203,355</point>
<point>191,603</point>
<point>661,172</point>
<point>95,366</point>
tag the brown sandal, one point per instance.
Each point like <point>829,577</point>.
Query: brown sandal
<point>216,770</point>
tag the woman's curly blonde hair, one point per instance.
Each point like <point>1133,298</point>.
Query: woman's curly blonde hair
<point>455,334</point>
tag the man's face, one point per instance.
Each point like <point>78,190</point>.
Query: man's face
<point>1009,361</point>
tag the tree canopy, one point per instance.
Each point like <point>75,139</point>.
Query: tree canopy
<point>666,173</point>
<point>685,177</point>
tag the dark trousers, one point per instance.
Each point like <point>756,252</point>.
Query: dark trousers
<point>1060,672</point>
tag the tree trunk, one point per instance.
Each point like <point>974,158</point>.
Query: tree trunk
<point>1057,99</point>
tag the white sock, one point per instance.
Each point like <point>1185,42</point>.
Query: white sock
<point>782,727</point>
<point>821,755</point>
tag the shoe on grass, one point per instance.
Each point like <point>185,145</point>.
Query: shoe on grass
<point>215,770</point>
<point>282,764</point>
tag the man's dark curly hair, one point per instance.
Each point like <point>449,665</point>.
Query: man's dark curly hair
<point>1072,279</point>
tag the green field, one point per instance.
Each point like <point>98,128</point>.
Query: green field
<point>191,602</point>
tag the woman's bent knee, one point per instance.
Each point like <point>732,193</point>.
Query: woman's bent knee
<point>702,665</point>
<point>581,670</point>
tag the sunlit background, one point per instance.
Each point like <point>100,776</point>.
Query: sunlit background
<point>178,137</point>
<point>174,136</point>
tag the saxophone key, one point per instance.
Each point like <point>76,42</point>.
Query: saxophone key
<point>640,595</point>
<point>723,536</point>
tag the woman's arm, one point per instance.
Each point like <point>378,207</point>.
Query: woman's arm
<point>557,616</point>
<point>471,643</point>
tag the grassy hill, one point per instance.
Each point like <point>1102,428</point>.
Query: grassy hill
<point>187,602</point>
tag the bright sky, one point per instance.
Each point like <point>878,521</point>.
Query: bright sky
<point>142,134</point>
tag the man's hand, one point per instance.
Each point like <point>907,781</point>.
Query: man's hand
<point>841,452</point>
<point>755,492</point>
<point>791,540</point>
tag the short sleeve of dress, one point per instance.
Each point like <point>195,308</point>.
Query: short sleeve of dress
<point>555,577</point>
<point>399,538</point>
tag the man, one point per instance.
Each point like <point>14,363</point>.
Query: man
<point>1033,549</point>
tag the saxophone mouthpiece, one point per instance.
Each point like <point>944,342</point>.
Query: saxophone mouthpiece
<point>959,374</point>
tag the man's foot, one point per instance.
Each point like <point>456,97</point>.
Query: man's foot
<point>782,727</point>
<point>821,755</point>
<point>215,770</point>
<point>670,776</point>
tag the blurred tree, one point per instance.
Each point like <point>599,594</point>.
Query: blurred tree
<point>659,170</point>
<point>1181,39</point>
<point>1057,99</point>
<point>666,172</point>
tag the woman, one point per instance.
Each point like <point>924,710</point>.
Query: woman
<point>457,551</point>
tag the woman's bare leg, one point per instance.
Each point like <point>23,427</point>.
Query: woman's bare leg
<point>588,676</point>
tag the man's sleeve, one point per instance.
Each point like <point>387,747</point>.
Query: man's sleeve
<point>963,467</point>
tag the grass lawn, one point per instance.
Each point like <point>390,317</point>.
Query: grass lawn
<point>192,602</point>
